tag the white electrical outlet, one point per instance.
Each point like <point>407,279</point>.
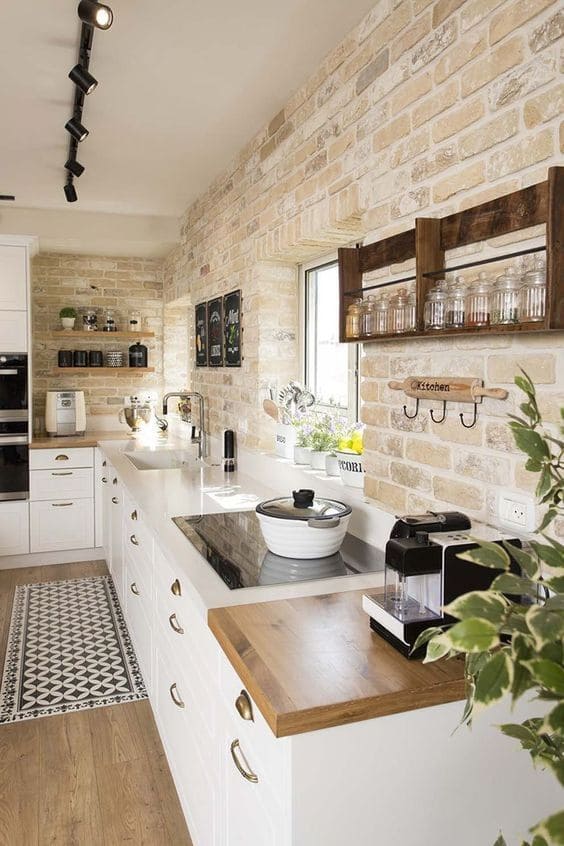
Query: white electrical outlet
<point>516,511</point>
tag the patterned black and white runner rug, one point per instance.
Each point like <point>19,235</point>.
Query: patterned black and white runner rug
<point>68,649</point>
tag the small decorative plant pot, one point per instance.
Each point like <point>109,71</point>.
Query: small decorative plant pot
<point>332,465</point>
<point>351,468</point>
<point>285,440</point>
<point>68,322</point>
<point>318,458</point>
<point>302,455</point>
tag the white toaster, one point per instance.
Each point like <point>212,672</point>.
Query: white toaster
<point>65,413</point>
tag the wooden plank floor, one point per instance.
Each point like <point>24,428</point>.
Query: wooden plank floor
<point>90,778</point>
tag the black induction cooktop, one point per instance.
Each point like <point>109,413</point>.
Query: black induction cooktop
<point>232,543</point>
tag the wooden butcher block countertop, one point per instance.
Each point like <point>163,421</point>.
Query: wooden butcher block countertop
<point>314,662</point>
<point>90,439</point>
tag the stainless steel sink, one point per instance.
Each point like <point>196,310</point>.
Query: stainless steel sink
<point>169,459</point>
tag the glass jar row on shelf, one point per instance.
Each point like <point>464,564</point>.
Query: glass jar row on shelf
<point>509,299</point>
<point>381,314</point>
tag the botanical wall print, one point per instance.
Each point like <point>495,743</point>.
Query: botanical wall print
<point>215,332</point>
<point>232,327</point>
<point>201,335</point>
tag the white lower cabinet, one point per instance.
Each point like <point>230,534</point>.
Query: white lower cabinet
<point>139,620</point>
<point>14,528</point>
<point>65,524</point>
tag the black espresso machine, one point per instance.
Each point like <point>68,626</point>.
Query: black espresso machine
<point>423,574</point>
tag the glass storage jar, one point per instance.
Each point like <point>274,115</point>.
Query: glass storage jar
<point>382,315</point>
<point>434,310</point>
<point>368,316</point>
<point>455,304</point>
<point>134,321</point>
<point>352,322</point>
<point>411,312</point>
<point>533,296</point>
<point>399,305</point>
<point>478,302</point>
<point>505,298</point>
<point>90,320</point>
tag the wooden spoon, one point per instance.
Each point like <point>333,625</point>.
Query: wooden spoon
<point>271,409</point>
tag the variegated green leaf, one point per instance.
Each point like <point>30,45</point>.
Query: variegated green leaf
<point>473,635</point>
<point>546,625</point>
<point>553,723</point>
<point>552,829</point>
<point>488,554</point>
<point>478,603</point>
<point>548,674</point>
<point>494,680</point>
<point>516,585</point>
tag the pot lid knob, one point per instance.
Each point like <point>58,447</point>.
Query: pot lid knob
<point>303,498</point>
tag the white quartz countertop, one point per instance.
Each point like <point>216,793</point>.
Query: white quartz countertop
<point>203,488</point>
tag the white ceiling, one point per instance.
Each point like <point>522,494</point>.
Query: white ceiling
<point>183,85</point>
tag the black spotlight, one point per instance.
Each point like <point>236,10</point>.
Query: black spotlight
<point>83,79</point>
<point>70,193</point>
<point>76,129</point>
<point>75,167</point>
<point>95,14</point>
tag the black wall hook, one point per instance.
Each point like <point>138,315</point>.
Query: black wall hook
<point>412,416</point>
<point>473,423</point>
<point>431,412</point>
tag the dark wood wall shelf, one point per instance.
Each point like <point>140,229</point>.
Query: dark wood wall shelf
<point>431,238</point>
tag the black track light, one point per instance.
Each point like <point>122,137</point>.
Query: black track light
<point>74,167</point>
<point>83,79</point>
<point>70,193</point>
<point>76,129</point>
<point>95,14</point>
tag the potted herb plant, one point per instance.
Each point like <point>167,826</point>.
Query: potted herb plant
<point>68,317</point>
<point>303,446</point>
<point>323,440</point>
<point>511,649</point>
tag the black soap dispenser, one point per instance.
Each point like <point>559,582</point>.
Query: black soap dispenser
<point>138,356</point>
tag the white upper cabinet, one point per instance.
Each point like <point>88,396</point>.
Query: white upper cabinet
<point>13,278</point>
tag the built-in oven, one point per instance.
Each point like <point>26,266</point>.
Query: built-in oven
<point>14,426</point>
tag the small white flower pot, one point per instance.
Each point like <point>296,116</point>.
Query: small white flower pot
<point>302,455</point>
<point>68,322</point>
<point>285,440</point>
<point>318,458</point>
<point>332,465</point>
<point>351,468</point>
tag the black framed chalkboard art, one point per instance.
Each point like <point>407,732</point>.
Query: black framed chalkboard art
<point>215,332</point>
<point>201,312</point>
<point>232,328</point>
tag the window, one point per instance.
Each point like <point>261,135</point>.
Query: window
<point>331,368</point>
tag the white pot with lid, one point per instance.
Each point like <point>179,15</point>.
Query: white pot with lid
<point>303,525</point>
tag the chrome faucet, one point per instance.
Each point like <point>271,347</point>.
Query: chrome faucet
<point>200,438</point>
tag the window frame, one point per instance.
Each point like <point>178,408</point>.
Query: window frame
<point>353,365</point>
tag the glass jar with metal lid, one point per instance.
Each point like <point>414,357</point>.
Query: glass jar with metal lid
<point>368,316</point>
<point>455,304</point>
<point>398,312</point>
<point>411,312</point>
<point>478,302</point>
<point>506,298</point>
<point>382,315</point>
<point>352,321</point>
<point>533,296</point>
<point>434,309</point>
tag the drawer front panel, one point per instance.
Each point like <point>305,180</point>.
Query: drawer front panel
<point>62,484</point>
<point>137,527</point>
<point>138,583</point>
<point>61,459</point>
<point>140,630</point>
<point>65,524</point>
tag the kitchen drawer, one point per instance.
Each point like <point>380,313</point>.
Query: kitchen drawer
<point>139,625</point>
<point>139,582</point>
<point>136,525</point>
<point>62,484</point>
<point>171,598</point>
<point>56,459</point>
<point>196,778</point>
<point>14,528</point>
<point>65,524</point>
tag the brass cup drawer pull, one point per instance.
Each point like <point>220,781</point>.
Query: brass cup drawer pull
<point>174,695</point>
<point>114,480</point>
<point>175,625</point>
<point>104,480</point>
<point>244,706</point>
<point>134,589</point>
<point>115,500</point>
<point>134,514</point>
<point>104,463</point>
<point>61,457</point>
<point>236,751</point>
<point>176,588</point>
<point>134,540</point>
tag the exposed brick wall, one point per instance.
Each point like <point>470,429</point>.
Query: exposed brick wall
<point>121,284</point>
<point>424,109</point>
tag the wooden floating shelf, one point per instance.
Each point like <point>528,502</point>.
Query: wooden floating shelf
<point>119,370</point>
<point>431,238</point>
<point>94,336</point>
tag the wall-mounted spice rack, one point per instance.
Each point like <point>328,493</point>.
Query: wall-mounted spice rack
<point>431,238</point>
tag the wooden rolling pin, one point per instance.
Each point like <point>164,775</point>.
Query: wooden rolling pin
<point>447,389</point>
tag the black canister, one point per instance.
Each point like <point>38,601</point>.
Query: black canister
<point>80,358</point>
<point>138,355</point>
<point>65,358</point>
<point>95,358</point>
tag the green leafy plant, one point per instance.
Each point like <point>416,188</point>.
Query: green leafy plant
<point>67,311</point>
<point>512,648</point>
